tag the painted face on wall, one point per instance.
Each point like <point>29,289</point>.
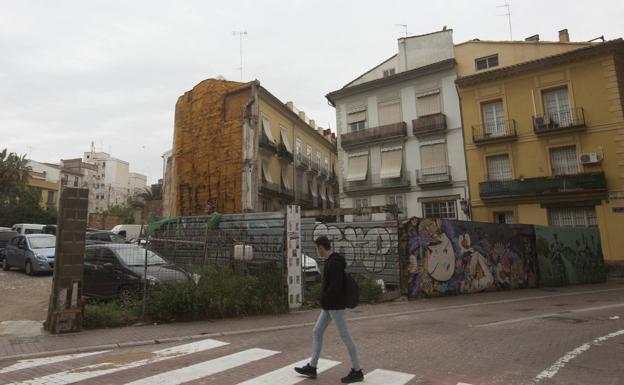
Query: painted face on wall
<point>441,259</point>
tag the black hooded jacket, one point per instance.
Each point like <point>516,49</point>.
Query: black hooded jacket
<point>333,295</point>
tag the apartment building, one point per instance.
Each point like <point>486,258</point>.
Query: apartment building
<point>238,148</point>
<point>45,178</point>
<point>76,173</point>
<point>400,136</point>
<point>544,133</point>
<point>137,183</point>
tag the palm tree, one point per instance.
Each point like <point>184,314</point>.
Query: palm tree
<point>153,193</point>
<point>14,174</point>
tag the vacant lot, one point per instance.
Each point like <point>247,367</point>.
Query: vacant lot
<point>23,297</point>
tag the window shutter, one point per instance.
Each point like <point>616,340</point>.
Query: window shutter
<point>389,113</point>
<point>356,117</point>
<point>428,105</point>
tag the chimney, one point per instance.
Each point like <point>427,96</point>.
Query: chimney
<point>320,131</point>
<point>312,123</point>
<point>302,115</point>
<point>290,105</point>
<point>564,36</point>
<point>532,38</point>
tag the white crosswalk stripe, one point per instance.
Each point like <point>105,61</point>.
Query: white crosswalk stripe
<point>35,362</point>
<point>96,370</point>
<point>287,375</point>
<point>203,369</point>
<point>387,377</point>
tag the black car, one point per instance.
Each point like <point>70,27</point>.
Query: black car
<point>116,270</point>
<point>5,237</point>
<point>96,237</point>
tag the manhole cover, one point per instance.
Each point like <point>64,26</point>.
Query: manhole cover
<point>568,320</point>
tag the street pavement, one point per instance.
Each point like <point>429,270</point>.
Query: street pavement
<point>572,335</point>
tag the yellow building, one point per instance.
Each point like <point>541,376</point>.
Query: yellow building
<point>238,148</point>
<point>544,138</point>
<point>49,191</point>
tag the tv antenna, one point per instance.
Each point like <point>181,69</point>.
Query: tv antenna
<point>240,34</point>
<point>404,26</point>
<point>507,6</point>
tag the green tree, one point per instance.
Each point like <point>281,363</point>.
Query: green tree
<point>14,174</point>
<point>153,193</point>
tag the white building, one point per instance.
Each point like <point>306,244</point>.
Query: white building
<point>137,183</point>
<point>399,133</point>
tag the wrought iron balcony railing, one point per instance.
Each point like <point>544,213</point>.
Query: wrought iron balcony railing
<point>283,152</point>
<point>368,135</point>
<point>494,131</point>
<point>434,175</point>
<point>559,184</point>
<point>559,121</point>
<point>267,144</point>
<point>430,124</point>
<point>375,181</point>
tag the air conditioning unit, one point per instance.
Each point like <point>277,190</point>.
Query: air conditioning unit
<point>540,122</point>
<point>589,158</point>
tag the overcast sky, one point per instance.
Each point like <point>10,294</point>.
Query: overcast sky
<point>72,72</point>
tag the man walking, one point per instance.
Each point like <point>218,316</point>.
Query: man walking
<point>333,300</point>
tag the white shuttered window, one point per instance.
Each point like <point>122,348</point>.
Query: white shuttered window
<point>428,104</point>
<point>498,167</point>
<point>389,113</point>
<point>563,160</point>
<point>493,118</point>
<point>572,216</point>
<point>557,107</point>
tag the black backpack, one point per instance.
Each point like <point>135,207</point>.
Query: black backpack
<point>352,291</point>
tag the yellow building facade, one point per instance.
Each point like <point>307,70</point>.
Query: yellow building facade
<point>49,191</point>
<point>544,137</point>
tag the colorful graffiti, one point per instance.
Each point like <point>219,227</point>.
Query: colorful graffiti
<point>443,257</point>
<point>568,256</point>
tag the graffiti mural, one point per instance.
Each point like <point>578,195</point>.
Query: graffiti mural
<point>443,257</point>
<point>368,247</point>
<point>568,256</point>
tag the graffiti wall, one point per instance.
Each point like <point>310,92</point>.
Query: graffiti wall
<point>443,257</point>
<point>569,256</point>
<point>368,247</point>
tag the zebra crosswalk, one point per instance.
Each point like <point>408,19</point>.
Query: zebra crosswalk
<point>195,362</point>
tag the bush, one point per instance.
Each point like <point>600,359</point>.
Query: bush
<point>109,314</point>
<point>313,293</point>
<point>370,291</point>
<point>176,301</point>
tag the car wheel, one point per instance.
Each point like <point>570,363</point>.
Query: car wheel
<point>5,264</point>
<point>28,268</point>
<point>126,296</point>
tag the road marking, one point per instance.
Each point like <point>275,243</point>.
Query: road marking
<point>387,377</point>
<point>32,363</point>
<point>462,383</point>
<point>287,374</point>
<point>203,369</point>
<point>546,315</point>
<point>96,370</point>
<point>569,356</point>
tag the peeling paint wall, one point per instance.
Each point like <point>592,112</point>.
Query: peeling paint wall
<point>208,148</point>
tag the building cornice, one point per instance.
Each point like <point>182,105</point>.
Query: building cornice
<point>391,80</point>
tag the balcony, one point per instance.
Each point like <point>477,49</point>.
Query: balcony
<point>430,124</point>
<point>560,184</point>
<point>559,121</point>
<point>314,168</point>
<point>269,188</point>
<point>434,176</point>
<point>494,132</point>
<point>368,135</point>
<point>287,193</point>
<point>283,152</point>
<point>303,162</point>
<point>374,182</point>
<point>266,144</point>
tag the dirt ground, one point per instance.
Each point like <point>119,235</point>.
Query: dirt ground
<point>23,297</point>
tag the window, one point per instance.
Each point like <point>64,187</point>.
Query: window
<point>493,118</point>
<point>76,181</point>
<point>284,139</point>
<point>557,107</point>
<point>318,161</point>
<point>356,121</point>
<point>433,158</point>
<point>399,201</point>
<point>572,216</point>
<point>428,104</point>
<point>389,113</point>
<point>298,149</point>
<point>506,217</point>
<point>389,72</point>
<point>326,163</point>
<point>498,167</point>
<point>64,180</point>
<point>360,203</point>
<point>50,197</point>
<point>563,161</point>
<point>266,205</point>
<point>309,155</point>
<point>486,62</point>
<point>440,209</point>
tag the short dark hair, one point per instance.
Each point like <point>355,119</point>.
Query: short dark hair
<point>324,242</point>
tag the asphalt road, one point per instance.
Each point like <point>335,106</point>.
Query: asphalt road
<point>555,338</point>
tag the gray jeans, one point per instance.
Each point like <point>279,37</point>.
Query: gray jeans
<point>319,329</point>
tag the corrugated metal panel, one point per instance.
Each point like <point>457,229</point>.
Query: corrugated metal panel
<point>368,247</point>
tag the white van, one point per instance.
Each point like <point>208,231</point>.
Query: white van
<point>130,232</point>
<point>28,228</point>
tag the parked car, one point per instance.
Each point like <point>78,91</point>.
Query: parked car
<point>116,270</point>
<point>310,269</point>
<point>96,237</point>
<point>130,232</point>
<point>49,229</point>
<point>5,229</point>
<point>28,228</point>
<point>5,237</point>
<point>34,253</point>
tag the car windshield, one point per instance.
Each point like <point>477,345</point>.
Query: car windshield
<point>42,242</point>
<point>135,256</point>
<point>115,238</point>
<point>33,231</point>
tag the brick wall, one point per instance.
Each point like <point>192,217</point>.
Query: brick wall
<point>208,148</point>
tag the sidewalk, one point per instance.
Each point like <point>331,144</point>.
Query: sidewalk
<point>12,347</point>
